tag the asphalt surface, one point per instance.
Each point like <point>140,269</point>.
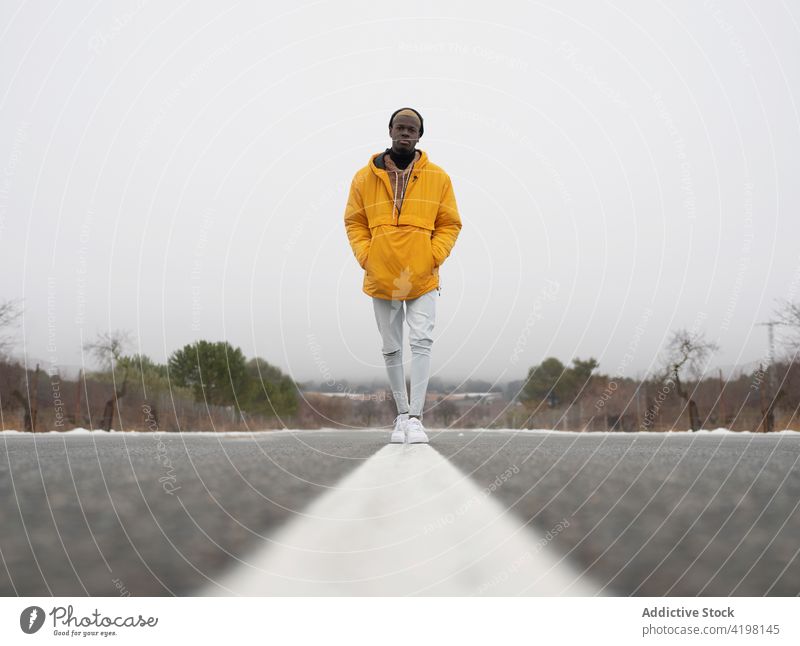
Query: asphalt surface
<point>673,514</point>
<point>93,515</point>
<point>661,514</point>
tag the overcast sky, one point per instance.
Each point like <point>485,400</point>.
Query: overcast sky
<point>180,170</point>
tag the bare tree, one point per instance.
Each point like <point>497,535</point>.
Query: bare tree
<point>10,311</point>
<point>29,403</point>
<point>788,314</point>
<point>445,411</point>
<point>107,350</point>
<point>108,347</point>
<point>687,352</point>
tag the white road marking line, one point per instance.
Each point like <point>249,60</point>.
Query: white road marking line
<point>406,522</point>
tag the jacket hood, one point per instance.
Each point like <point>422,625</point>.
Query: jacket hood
<point>376,161</point>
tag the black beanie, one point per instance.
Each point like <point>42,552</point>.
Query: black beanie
<point>421,126</point>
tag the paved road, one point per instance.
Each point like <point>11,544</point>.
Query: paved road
<point>142,514</point>
<point>662,514</point>
<point>82,515</point>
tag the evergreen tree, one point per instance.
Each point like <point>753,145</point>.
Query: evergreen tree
<point>268,391</point>
<point>542,382</point>
<point>553,381</point>
<point>216,372</point>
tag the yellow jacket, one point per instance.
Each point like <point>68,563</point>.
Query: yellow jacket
<point>401,252</point>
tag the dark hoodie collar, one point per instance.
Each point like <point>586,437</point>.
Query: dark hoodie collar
<point>377,162</point>
<point>399,162</point>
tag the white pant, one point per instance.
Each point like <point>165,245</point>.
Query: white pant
<point>420,313</point>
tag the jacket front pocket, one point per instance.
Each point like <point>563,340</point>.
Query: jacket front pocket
<point>433,257</point>
<point>400,259</point>
<point>420,252</point>
<point>369,250</point>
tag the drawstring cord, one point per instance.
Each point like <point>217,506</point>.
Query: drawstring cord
<point>397,175</point>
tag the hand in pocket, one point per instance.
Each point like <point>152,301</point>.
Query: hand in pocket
<point>366,258</point>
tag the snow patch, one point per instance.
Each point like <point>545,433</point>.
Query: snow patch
<point>716,431</point>
<point>101,432</point>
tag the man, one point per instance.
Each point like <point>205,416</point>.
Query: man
<point>402,222</point>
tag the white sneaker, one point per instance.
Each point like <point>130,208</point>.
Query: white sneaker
<point>399,433</point>
<point>415,431</point>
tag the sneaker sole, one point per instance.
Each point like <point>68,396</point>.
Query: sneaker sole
<point>418,439</point>
<point>398,439</point>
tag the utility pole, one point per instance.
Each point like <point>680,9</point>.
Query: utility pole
<point>768,413</point>
<point>770,325</point>
<point>35,402</point>
<point>639,405</point>
<point>77,412</point>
